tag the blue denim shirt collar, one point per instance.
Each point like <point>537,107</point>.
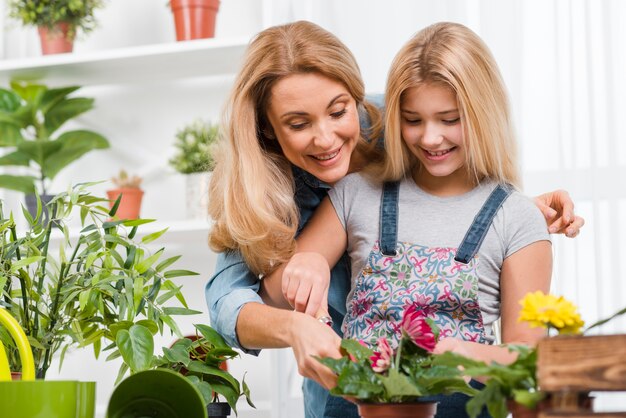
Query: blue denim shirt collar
<point>304,176</point>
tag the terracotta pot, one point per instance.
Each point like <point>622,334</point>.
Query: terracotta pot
<point>194,19</point>
<point>55,40</point>
<point>16,375</point>
<point>574,402</point>
<point>398,410</point>
<point>520,411</point>
<point>130,205</point>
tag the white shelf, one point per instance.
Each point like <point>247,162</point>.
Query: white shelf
<point>198,58</point>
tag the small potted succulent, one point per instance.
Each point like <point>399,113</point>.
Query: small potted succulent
<point>194,158</point>
<point>392,382</point>
<point>126,197</point>
<point>200,359</point>
<point>58,21</point>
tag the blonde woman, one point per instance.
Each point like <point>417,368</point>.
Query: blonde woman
<point>297,121</point>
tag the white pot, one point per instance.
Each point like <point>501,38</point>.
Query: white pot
<point>197,195</point>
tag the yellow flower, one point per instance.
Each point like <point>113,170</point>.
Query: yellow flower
<point>541,310</point>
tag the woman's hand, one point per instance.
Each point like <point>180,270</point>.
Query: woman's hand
<point>305,282</point>
<point>309,338</point>
<point>558,209</point>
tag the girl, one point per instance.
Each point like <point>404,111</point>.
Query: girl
<point>440,224</point>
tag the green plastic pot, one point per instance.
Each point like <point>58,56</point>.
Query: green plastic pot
<point>48,399</point>
<point>156,393</point>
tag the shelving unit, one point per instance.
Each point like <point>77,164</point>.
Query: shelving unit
<point>200,58</point>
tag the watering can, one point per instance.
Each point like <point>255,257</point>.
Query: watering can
<point>30,398</point>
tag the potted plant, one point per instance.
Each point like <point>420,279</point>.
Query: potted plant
<point>392,382</point>
<point>515,387</point>
<point>80,288</point>
<point>194,19</point>
<point>30,117</point>
<point>57,20</point>
<point>126,197</point>
<point>200,359</point>
<point>194,158</point>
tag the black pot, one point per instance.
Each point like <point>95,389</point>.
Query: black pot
<point>31,205</point>
<point>218,410</point>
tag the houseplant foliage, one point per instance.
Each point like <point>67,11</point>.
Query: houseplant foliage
<point>79,14</point>
<point>193,145</point>
<point>30,117</point>
<point>198,359</point>
<point>80,289</point>
<point>399,375</point>
<point>517,382</point>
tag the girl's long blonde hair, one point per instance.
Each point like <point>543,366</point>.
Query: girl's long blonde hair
<point>252,187</point>
<point>452,55</point>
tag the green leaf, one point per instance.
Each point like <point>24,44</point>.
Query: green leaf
<point>15,158</point>
<point>151,325</point>
<point>54,96</point>
<point>360,352</point>
<point>18,264</point>
<point>212,336</point>
<point>136,346</point>
<point>24,184</point>
<point>9,101</point>
<point>399,385</point>
<point>228,392</point>
<point>199,367</point>
<point>178,273</point>
<point>166,263</point>
<point>64,110</point>
<point>72,145</point>
<point>205,389</point>
<point>153,236</point>
<point>180,311</point>
<point>145,264</point>
<point>177,354</point>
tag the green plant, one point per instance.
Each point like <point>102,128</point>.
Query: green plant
<point>78,13</point>
<point>403,375</point>
<point>194,145</point>
<point>80,288</point>
<point>198,359</point>
<point>123,180</point>
<point>30,115</point>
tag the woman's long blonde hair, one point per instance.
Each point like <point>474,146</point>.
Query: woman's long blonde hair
<point>450,54</point>
<point>252,187</point>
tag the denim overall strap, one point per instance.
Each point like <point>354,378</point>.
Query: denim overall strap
<point>389,218</point>
<point>480,226</point>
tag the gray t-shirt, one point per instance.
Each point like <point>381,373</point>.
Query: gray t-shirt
<point>434,221</point>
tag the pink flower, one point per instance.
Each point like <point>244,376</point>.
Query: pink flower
<point>415,326</point>
<point>381,360</point>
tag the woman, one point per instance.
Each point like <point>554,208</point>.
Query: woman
<point>294,125</point>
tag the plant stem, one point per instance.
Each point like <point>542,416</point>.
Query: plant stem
<point>25,300</point>
<point>42,272</point>
<point>54,317</point>
<point>399,354</point>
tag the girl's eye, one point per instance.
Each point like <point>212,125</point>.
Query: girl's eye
<point>339,114</point>
<point>451,121</point>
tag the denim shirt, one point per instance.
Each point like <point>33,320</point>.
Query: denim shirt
<point>233,285</point>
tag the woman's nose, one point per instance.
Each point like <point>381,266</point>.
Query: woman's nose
<point>323,137</point>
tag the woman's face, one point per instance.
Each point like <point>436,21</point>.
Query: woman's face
<point>316,123</point>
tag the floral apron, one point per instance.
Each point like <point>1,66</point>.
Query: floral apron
<point>441,282</point>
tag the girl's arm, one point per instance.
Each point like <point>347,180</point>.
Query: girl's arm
<point>527,270</point>
<point>303,282</point>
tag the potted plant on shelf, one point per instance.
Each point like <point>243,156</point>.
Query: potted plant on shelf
<point>389,382</point>
<point>79,288</point>
<point>194,158</point>
<point>200,359</point>
<point>126,197</point>
<point>30,117</point>
<point>57,20</point>
<point>194,19</point>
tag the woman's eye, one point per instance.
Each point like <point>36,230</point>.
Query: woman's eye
<point>412,121</point>
<point>339,114</point>
<point>297,126</point>
<point>451,121</point>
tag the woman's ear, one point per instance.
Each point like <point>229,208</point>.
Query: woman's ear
<point>269,133</point>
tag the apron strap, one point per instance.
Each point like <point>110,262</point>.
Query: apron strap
<point>389,218</point>
<point>480,226</point>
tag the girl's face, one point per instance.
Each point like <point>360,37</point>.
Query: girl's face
<point>316,123</point>
<point>431,128</point>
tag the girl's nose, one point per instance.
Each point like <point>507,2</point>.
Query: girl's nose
<point>432,137</point>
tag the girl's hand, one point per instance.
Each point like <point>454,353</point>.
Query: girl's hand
<point>558,209</point>
<point>305,282</point>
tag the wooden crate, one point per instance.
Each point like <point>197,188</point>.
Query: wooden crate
<point>568,366</point>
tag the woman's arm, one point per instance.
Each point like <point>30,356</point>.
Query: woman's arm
<point>303,282</point>
<point>527,270</point>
